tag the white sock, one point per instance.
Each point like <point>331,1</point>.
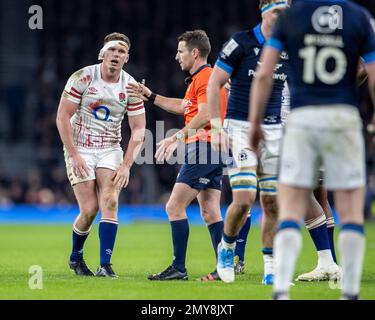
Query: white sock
<point>325,258</point>
<point>352,250</point>
<point>287,246</point>
<point>268,264</point>
<point>227,245</point>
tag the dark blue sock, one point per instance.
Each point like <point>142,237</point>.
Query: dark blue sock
<point>180,236</point>
<point>241,240</point>
<point>331,239</point>
<point>216,232</point>
<point>229,239</point>
<point>107,236</point>
<point>320,237</point>
<point>78,243</point>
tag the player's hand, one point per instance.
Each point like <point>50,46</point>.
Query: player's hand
<point>371,129</point>
<point>138,90</point>
<point>80,168</point>
<point>121,176</point>
<point>166,148</point>
<point>220,141</point>
<point>256,136</point>
<point>362,74</point>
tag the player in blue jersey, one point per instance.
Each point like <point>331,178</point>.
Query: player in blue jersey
<point>238,61</point>
<point>319,221</point>
<point>324,40</point>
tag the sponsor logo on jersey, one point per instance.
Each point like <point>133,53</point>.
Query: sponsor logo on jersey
<point>327,19</point>
<point>95,104</point>
<point>256,51</point>
<point>276,76</point>
<point>277,66</point>
<point>92,90</point>
<point>230,47</point>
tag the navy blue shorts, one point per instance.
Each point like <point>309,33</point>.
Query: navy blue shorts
<point>203,167</point>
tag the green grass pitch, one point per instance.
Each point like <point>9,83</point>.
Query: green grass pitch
<point>141,249</point>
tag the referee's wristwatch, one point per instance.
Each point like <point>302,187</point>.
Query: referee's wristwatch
<point>180,136</point>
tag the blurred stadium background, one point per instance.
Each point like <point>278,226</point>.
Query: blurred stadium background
<point>35,64</point>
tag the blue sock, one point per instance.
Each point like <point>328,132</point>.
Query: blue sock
<point>267,251</point>
<point>320,237</point>
<point>241,240</point>
<point>331,239</point>
<point>79,239</point>
<point>216,231</point>
<point>107,236</point>
<point>180,236</point>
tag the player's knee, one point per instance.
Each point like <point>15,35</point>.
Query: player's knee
<point>89,210</point>
<point>244,201</point>
<point>243,206</point>
<point>210,214</point>
<point>110,201</point>
<point>269,203</point>
<point>173,210</point>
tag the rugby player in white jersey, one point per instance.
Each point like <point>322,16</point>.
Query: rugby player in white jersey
<point>89,118</point>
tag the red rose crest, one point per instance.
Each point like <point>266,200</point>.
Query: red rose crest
<point>122,96</point>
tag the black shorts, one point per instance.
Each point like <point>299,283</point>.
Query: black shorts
<point>203,167</point>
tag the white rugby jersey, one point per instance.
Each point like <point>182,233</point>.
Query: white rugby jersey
<point>102,106</point>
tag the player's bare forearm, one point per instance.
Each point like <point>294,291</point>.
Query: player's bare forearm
<point>217,80</point>
<point>64,113</point>
<point>171,105</point>
<point>361,73</point>
<point>132,152</point>
<point>214,98</point>
<point>137,126</point>
<point>66,134</point>
<point>370,68</point>
<point>372,94</point>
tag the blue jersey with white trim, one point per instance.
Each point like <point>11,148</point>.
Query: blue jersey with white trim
<point>240,58</point>
<point>324,40</point>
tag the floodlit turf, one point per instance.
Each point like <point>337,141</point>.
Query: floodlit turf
<point>141,249</point>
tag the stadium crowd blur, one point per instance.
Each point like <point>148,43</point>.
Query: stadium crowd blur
<point>71,38</point>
